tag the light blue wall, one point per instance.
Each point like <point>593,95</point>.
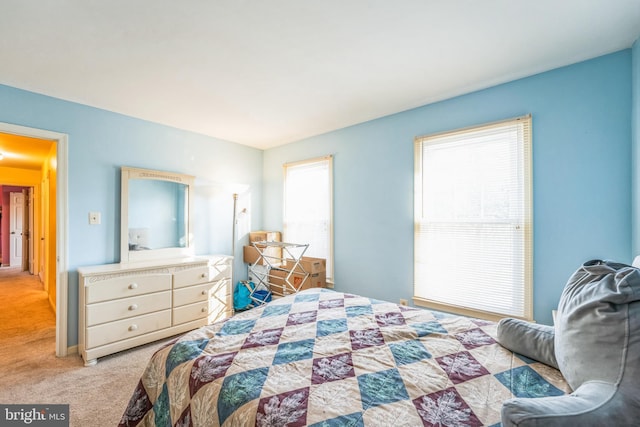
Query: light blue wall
<point>581,166</point>
<point>100,142</point>
<point>635,129</point>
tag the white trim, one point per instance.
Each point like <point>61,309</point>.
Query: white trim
<point>332,276</point>
<point>62,225</point>
<point>312,160</point>
<point>62,220</point>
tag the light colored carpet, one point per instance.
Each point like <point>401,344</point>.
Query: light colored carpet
<point>30,373</point>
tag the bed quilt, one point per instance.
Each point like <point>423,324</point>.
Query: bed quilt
<point>325,358</point>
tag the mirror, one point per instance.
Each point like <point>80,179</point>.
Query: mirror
<point>156,220</point>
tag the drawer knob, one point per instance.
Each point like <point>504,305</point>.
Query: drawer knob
<point>133,307</point>
<point>133,286</point>
<point>204,292</point>
<point>133,327</point>
<point>203,275</point>
<point>204,309</point>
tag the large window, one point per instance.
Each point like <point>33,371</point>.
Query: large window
<point>473,246</point>
<point>308,207</point>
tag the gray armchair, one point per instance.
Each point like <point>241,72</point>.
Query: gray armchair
<point>595,343</point>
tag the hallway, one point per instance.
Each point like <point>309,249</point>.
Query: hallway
<point>27,322</point>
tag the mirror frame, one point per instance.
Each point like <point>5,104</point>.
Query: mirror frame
<point>128,173</point>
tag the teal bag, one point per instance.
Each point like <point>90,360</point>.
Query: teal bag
<point>241,295</point>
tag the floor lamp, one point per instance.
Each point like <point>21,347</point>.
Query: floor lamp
<point>233,238</point>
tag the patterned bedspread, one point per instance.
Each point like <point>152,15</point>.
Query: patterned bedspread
<point>324,358</point>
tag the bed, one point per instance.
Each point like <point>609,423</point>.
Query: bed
<point>325,358</point>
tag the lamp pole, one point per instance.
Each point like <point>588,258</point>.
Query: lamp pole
<point>233,239</point>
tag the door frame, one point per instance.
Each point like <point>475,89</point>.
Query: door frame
<point>31,258</point>
<point>62,225</point>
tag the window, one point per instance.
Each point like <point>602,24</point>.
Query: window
<point>308,207</point>
<point>473,245</point>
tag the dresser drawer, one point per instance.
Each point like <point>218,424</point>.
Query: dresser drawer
<point>127,328</point>
<point>221,292</point>
<point>192,294</point>
<point>191,276</point>
<point>190,312</point>
<point>221,270</point>
<point>219,309</point>
<point>109,311</point>
<point>125,286</point>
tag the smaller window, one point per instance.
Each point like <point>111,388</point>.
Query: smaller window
<point>308,207</point>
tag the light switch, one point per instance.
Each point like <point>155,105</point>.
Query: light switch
<point>94,218</point>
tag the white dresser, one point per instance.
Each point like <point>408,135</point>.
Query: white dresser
<point>126,305</point>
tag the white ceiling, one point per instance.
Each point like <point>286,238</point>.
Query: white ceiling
<point>268,72</point>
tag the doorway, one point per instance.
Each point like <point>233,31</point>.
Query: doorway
<point>49,237</point>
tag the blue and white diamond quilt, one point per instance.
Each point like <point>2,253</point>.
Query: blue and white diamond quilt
<point>325,358</point>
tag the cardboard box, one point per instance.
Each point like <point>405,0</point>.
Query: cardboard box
<point>272,256</point>
<point>265,236</point>
<point>309,264</point>
<point>318,280</point>
<point>250,254</point>
<point>297,282</point>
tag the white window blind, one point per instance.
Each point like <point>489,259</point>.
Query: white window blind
<point>308,207</point>
<point>473,245</point>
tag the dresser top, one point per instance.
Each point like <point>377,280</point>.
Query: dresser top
<point>144,265</point>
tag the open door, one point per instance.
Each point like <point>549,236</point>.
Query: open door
<point>44,215</point>
<point>16,226</point>
<point>27,245</point>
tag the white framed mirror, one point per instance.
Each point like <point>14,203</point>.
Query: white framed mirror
<point>156,215</point>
